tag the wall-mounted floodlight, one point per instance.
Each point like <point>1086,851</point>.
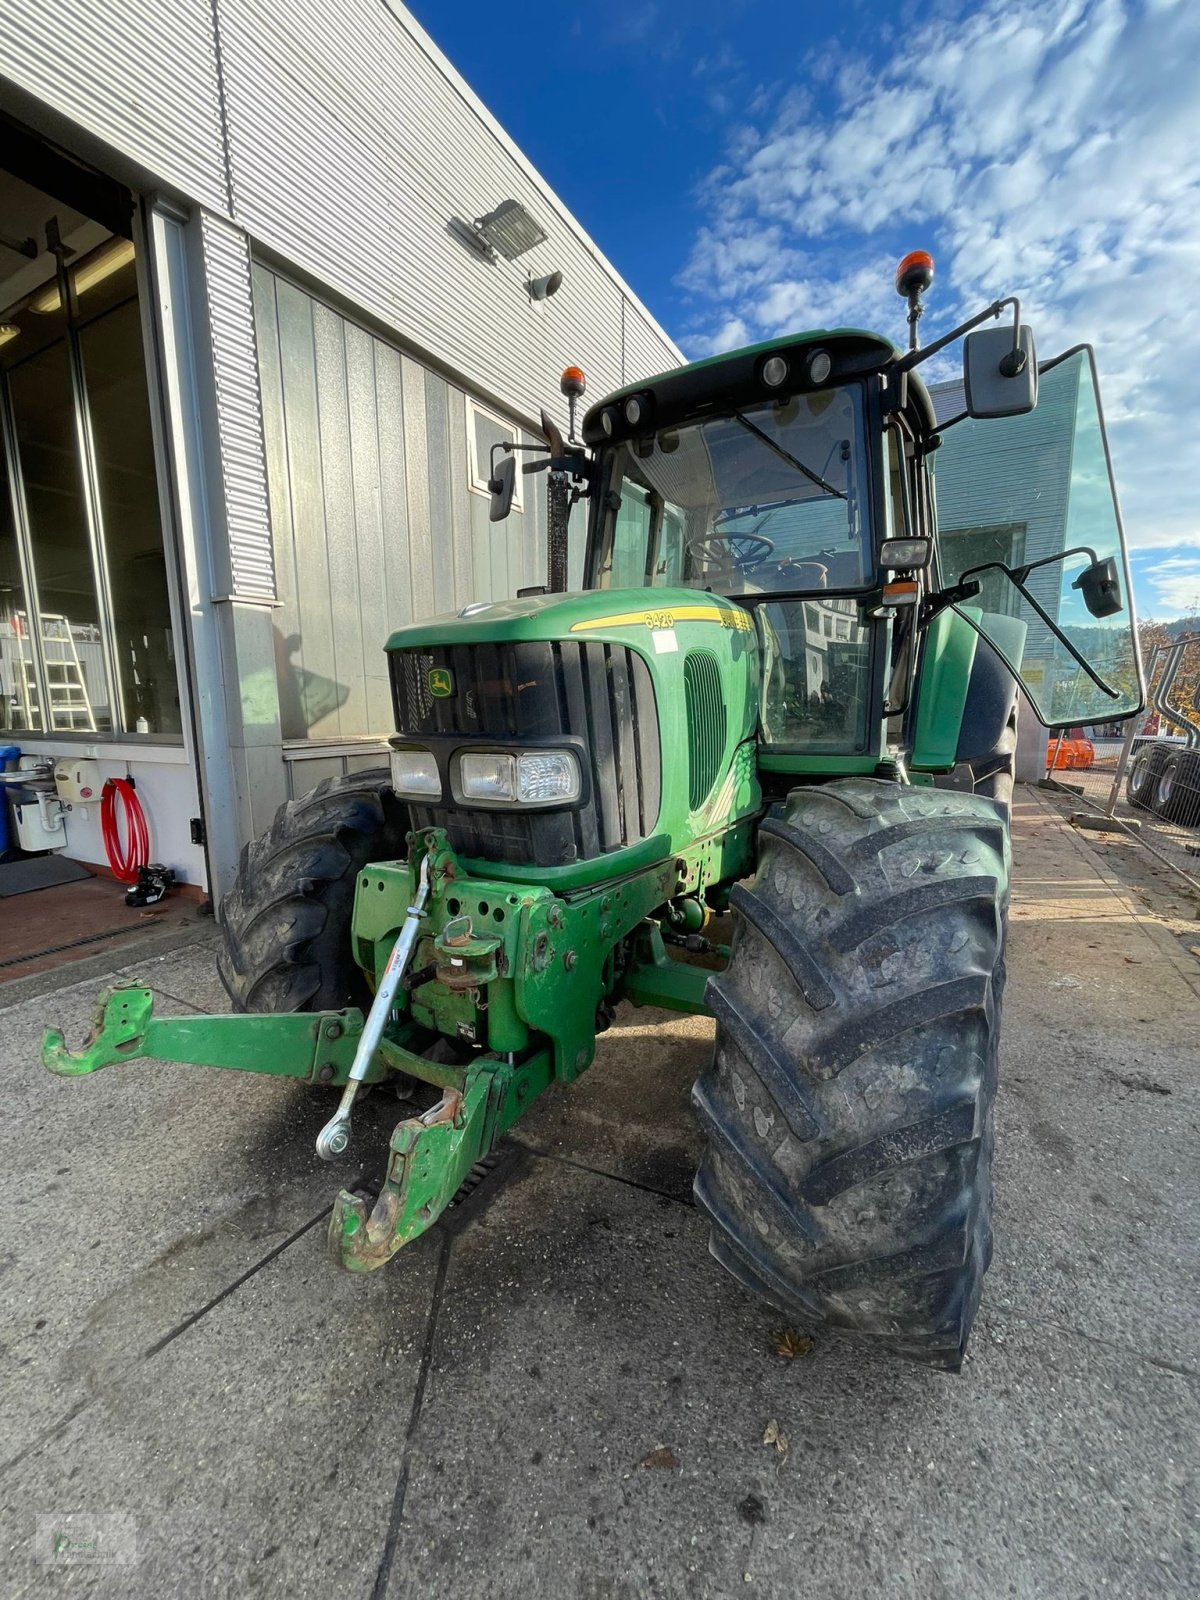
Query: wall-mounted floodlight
<point>509,230</point>
<point>543,288</point>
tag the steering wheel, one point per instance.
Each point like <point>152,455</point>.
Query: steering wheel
<point>745,550</point>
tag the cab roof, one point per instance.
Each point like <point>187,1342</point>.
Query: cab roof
<point>689,393</point>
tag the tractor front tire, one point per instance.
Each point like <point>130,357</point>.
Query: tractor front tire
<point>848,1107</point>
<point>286,921</point>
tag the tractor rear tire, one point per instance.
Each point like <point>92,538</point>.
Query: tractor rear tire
<point>286,921</point>
<point>848,1107</point>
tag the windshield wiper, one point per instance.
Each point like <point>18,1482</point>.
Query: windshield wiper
<point>813,477</point>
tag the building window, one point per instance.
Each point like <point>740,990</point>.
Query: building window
<point>485,429</point>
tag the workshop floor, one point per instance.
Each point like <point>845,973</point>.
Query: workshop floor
<point>49,928</point>
<point>556,1392</point>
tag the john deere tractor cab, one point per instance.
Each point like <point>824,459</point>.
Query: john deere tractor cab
<point>759,767</point>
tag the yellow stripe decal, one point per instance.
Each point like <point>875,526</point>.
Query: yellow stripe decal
<point>733,618</point>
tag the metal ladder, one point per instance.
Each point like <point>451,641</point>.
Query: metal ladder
<point>69,706</point>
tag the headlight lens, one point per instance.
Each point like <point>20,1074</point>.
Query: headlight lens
<point>415,774</point>
<point>532,777</point>
<point>548,775</point>
<point>488,777</point>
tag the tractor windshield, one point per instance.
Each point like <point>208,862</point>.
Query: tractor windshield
<point>769,500</point>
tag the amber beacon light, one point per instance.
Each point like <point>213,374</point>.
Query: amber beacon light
<point>913,276</point>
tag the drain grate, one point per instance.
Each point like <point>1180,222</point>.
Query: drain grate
<point>482,1169</point>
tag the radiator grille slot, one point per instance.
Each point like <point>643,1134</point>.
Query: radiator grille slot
<point>706,723</point>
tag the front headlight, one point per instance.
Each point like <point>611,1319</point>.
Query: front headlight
<point>531,777</point>
<point>548,775</point>
<point>488,777</point>
<point>415,775</point>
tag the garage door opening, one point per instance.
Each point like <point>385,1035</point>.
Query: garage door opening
<point>87,648</point>
<point>86,643</point>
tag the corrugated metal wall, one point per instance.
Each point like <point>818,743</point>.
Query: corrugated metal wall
<point>141,75</point>
<point>374,520</point>
<point>351,149</point>
<point>242,562</point>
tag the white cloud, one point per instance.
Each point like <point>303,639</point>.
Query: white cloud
<point>1051,147</point>
<point>1173,585</point>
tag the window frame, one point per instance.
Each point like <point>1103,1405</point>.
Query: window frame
<point>479,472</point>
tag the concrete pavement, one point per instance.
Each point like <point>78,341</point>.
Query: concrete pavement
<point>181,1360</point>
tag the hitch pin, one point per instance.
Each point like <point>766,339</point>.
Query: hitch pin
<point>334,1137</point>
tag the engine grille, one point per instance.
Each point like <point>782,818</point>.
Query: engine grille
<point>511,692</point>
<point>706,722</point>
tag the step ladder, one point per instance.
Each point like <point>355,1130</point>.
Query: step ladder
<point>69,706</point>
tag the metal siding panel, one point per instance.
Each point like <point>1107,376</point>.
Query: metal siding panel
<point>138,74</point>
<point>393,494</point>
<point>368,525</point>
<point>239,409</point>
<point>483,555</point>
<point>437,431</point>
<point>306,500</point>
<point>472,581</point>
<point>338,491</point>
<point>416,452</point>
<point>285,620</point>
<point>533,567</point>
<point>307,772</point>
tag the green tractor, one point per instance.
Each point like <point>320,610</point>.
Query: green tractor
<point>758,765</point>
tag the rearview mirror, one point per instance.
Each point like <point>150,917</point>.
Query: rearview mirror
<point>502,487</point>
<point>1100,587</point>
<point>1000,378</point>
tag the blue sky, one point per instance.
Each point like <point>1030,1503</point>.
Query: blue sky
<point>753,168</point>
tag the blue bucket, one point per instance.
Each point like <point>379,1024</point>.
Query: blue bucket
<point>8,760</point>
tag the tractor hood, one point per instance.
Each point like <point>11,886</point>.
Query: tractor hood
<point>596,614</point>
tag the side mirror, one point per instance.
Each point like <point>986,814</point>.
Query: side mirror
<point>1100,587</point>
<point>503,486</point>
<point>1001,379</point>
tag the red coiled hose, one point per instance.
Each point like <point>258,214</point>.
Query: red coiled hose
<point>136,853</point>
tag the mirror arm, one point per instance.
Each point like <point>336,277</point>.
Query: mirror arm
<point>1015,578</point>
<point>574,462</point>
<point>1015,360</point>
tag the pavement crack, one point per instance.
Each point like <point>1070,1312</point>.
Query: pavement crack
<point>47,1434</point>
<point>190,1322</point>
<point>601,1172</point>
<point>1174,1367</point>
<point>396,1519</point>
<point>179,1000</point>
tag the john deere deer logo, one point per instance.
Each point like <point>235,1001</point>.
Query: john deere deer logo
<point>441,682</point>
